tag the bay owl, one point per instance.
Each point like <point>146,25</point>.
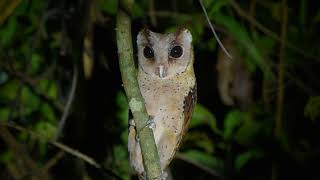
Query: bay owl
<point>168,85</point>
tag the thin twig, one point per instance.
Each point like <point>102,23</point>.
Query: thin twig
<point>19,151</point>
<point>213,31</point>
<point>53,161</point>
<point>8,9</point>
<point>64,148</point>
<point>67,108</point>
<point>281,72</point>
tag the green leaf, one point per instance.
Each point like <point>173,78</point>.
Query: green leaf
<point>48,113</point>
<point>243,158</point>
<point>122,104</point>
<point>202,116</point>
<point>200,140</point>
<point>312,108</point>
<point>36,60</point>
<point>8,33</point>
<point>123,114</point>
<point>8,91</point>
<point>204,159</point>
<point>217,5</point>
<point>46,129</point>
<point>52,90</point>
<point>232,121</point>
<point>241,35</point>
<point>6,157</point>
<point>248,131</point>
<point>4,114</point>
<point>109,6</point>
<point>29,101</point>
<point>120,162</point>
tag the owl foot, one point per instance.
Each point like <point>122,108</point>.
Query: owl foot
<point>150,123</point>
<point>131,123</point>
<point>163,176</point>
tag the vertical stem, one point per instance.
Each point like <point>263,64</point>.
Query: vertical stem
<point>136,102</point>
<point>278,130</point>
<point>281,72</point>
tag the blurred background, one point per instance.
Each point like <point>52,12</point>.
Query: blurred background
<point>257,115</point>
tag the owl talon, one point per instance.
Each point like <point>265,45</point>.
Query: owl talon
<point>151,124</point>
<point>132,123</point>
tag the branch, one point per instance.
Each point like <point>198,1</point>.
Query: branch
<point>68,105</point>
<point>213,31</point>
<point>7,9</point>
<point>28,164</point>
<point>281,72</point>
<point>136,102</point>
<point>63,147</point>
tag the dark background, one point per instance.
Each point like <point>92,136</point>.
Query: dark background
<point>45,45</point>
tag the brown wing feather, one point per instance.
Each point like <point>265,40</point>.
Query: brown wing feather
<point>189,104</point>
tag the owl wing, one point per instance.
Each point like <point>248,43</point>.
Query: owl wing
<point>189,104</point>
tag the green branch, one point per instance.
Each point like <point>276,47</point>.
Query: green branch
<point>136,102</point>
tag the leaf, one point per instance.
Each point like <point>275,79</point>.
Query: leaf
<point>8,33</point>
<point>48,113</point>
<point>9,91</point>
<point>45,129</point>
<point>109,6</point>
<point>248,131</point>
<point>216,7</point>
<point>123,114</point>
<point>200,140</point>
<point>202,116</point>
<point>6,157</point>
<point>120,162</point>
<point>29,101</point>
<point>243,158</point>
<point>36,60</point>
<point>204,159</point>
<point>312,108</point>
<point>232,121</point>
<point>241,35</point>
<point>4,114</point>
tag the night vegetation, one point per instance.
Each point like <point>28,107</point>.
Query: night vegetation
<point>64,111</point>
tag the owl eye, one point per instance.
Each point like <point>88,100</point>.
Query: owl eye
<point>176,52</point>
<point>148,52</point>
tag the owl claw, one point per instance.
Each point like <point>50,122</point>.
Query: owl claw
<point>132,123</point>
<point>163,176</point>
<point>151,124</point>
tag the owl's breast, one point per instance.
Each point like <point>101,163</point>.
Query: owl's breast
<point>164,99</point>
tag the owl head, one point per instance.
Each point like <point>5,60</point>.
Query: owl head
<point>164,55</point>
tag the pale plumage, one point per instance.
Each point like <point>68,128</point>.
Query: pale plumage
<point>168,85</point>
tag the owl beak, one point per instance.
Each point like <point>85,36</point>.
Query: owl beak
<point>162,72</point>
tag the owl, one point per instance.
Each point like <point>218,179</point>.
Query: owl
<point>168,85</point>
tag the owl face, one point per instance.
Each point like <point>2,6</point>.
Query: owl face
<point>164,55</point>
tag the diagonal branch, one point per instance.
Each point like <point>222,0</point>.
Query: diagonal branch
<point>63,147</point>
